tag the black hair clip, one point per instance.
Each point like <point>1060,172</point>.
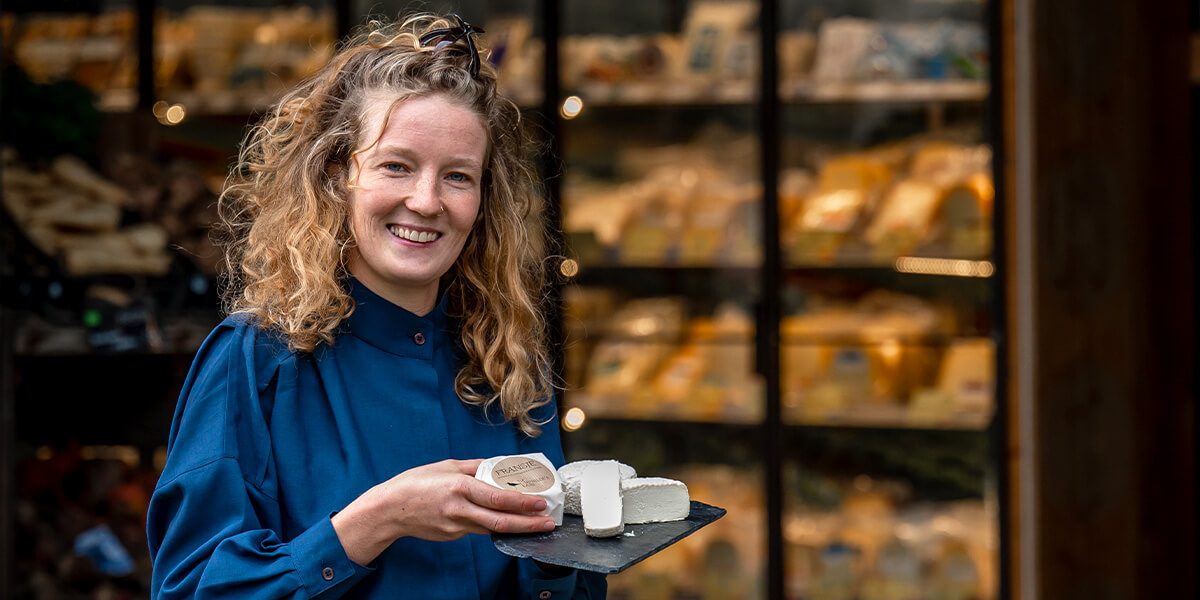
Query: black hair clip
<point>444,37</point>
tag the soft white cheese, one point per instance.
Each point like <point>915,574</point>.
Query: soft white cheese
<point>531,474</point>
<point>600,495</point>
<point>654,500</point>
<point>571,474</point>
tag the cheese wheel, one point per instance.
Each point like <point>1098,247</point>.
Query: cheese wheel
<point>654,500</point>
<point>571,473</point>
<point>531,474</point>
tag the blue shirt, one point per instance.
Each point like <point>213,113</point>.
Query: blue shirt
<point>267,444</point>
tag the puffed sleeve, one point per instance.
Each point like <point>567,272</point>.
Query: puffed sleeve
<point>537,583</point>
<point>214,521</point>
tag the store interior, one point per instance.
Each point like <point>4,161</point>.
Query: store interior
<point>792,249</point>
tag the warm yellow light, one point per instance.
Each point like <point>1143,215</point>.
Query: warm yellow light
<point>945,266</point>
<point>175,114</point>
<point>266,34</point>
<point>574,419</point>
<point>126,454</point>
<point>569,268</point>
<point>571,107</point>
<point>160,109</point>
<point>643,326</point>
<point>890,351</point>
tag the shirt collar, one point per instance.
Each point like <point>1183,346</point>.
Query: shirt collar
<point>393,329</point>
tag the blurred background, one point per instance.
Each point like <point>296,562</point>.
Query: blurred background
<point>905,285</point>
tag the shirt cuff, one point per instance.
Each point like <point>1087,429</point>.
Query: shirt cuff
<point>548,587</point>
<point>321,561</point>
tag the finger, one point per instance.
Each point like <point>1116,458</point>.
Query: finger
<point>467,467</point>
<point>489,496</point>
<point>495,521</point>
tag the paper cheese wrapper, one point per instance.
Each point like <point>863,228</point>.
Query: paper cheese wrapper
<point>531,474</point>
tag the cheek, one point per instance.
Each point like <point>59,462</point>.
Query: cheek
<point>358,209</point>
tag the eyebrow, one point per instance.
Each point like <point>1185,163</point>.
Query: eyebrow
<point>403,151</point>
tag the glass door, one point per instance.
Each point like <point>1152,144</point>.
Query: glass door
<point>888,365</point>
<point>660,206</point>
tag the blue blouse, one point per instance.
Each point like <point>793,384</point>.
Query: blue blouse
<point>267,444</point>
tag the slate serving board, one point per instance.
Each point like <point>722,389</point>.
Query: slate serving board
<point>569,546</point>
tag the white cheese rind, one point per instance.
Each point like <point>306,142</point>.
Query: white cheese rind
<point>554,496</point>
<point>570,475</point>
<point>654,500</point>
<point>600,495</point>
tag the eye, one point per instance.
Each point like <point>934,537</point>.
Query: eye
<point>395,167</point>
<point>457,177</point>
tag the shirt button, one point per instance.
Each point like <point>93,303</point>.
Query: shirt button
<point>545,594</point>
<point>327,573</point>
<point>419,339</point>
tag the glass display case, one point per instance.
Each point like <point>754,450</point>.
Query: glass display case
<point>886,364</point>
<point>96,49</point>
<point>235,57</point>
<point>512,33</point>
<point>661,215</point>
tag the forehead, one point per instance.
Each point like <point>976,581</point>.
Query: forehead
<point>426,122</point>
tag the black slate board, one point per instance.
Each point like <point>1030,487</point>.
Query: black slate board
<point>569,546</point>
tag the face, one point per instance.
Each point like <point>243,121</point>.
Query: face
<point>416,197</point>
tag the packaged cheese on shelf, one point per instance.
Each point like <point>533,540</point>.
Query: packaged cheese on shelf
<point>968,375</point>
<point>904,218</point>
<point>862,361</point>
<point>600,212</point>
<point>831,211</point>
<point>638,338</point>
<point>945,164</point>
<point>867,171</point>
<point>845,191</point>
<point>73,214</point>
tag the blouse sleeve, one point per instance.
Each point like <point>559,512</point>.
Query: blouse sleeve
<point>538,584</point>
<point>213,523</point>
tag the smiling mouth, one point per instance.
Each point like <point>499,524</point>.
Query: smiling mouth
<point>420,237</point>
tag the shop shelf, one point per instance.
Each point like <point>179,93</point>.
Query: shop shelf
<point>881,420</point>
<point>914,91</point>
<point>642,94</point>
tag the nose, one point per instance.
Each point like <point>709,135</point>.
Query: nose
<point>424,198</point>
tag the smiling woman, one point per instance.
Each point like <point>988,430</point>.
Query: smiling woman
<point>384,338</point>
<point>288,232</point>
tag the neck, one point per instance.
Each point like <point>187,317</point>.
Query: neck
<point>416,300</point>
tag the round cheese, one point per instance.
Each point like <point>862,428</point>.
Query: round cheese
<point>531,474</point>
<point>572,473</point>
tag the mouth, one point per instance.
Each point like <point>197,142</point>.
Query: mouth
<point>415,236</point>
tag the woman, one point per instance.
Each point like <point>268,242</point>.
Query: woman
<point>384,337</point>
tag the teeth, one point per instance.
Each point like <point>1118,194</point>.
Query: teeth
<point>414,236</point>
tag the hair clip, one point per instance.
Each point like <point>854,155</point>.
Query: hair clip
<point>440,38</point>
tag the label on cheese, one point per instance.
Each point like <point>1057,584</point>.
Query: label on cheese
<point>522,474</point>
<point>532,474</point>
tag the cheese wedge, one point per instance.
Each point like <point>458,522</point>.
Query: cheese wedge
<point>531,474</point>
<point>571,474</point>
<point>600,496</point>
<point>654,500</point>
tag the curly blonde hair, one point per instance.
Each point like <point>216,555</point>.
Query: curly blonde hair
<point>286,233</point>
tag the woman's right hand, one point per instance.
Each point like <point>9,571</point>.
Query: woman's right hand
<point>440,501</point>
